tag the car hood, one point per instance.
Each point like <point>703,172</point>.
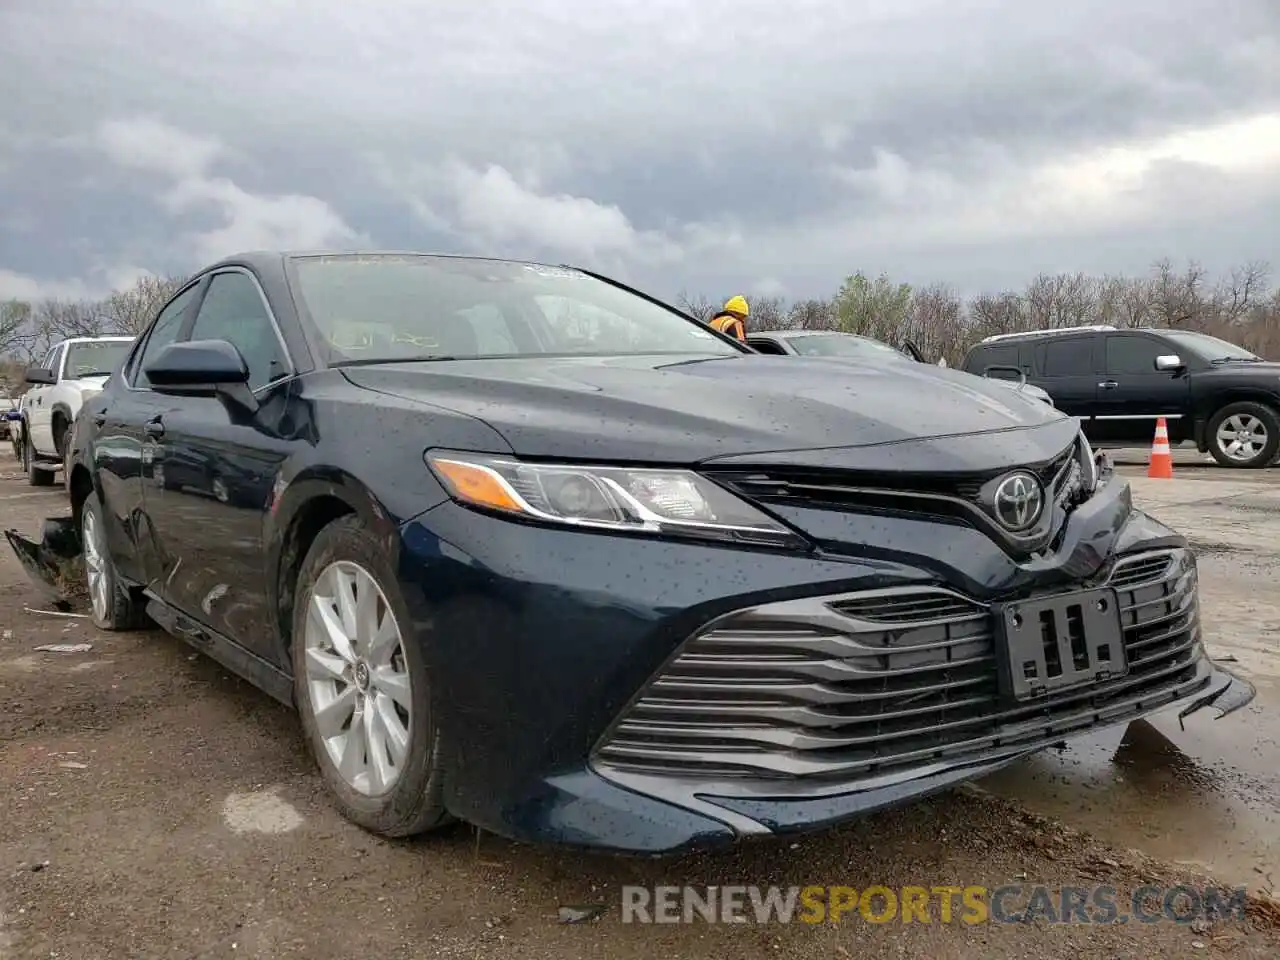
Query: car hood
<point>1264,368</point>
<point>88,384</point>
<point>805,412</point>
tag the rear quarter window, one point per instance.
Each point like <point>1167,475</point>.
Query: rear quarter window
<point>1066,357</point>
<point>993,355</point>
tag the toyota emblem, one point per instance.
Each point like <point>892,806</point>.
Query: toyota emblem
<point>1018,501</point>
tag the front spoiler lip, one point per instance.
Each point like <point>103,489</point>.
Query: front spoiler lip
<point>1226,692</point>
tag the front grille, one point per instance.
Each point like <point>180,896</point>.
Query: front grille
<point>856,686</point>
<point>956,498</point>
<point>838,489</point>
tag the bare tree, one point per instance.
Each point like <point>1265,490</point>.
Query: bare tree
<point>811,315</point>
<point>700,308</point>
<point>15,318</point>
<point>767,313</point>
<point>936,324</point>
<point>129,311</point>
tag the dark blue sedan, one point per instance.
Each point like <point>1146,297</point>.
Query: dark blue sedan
<point>531,549</point>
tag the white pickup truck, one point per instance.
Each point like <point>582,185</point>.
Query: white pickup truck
<point>73,370</point>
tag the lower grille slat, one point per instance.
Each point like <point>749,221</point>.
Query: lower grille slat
<point>853,687</point>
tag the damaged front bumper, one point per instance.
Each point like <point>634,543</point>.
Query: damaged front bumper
<point>52,562</point>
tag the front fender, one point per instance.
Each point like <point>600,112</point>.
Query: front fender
<point>292,500</point>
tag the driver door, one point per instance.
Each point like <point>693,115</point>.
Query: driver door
<point>40,407</point>
<point>214,466</point>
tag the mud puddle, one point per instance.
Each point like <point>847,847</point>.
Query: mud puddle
<point>1207,796</point>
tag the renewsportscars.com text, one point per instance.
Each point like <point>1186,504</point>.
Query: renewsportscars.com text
<point>1014,903</point>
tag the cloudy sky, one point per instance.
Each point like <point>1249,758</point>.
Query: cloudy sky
<point>707,145</point>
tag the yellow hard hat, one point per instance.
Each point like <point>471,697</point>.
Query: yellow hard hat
<point>737,305</point>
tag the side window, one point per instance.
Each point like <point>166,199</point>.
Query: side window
<point>766,345</point>
<point>1132,355</point>
<point>233,310</point>
<point>55,359</point>
<point>1067,358</point>
<point>163,332</point>
<point>995,355</point>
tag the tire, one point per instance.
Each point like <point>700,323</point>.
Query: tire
<point>412,803</point>
<point>1255,420</point>
<point>36,476</point>
<point>112,606</point>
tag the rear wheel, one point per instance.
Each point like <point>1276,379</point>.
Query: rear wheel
<point>112,605</point>
<point>37,475</point>
<point>361,686</point>
<point>1244,434</point>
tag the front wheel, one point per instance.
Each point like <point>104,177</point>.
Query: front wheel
<point>1244,434</point>
<point>361,686</point>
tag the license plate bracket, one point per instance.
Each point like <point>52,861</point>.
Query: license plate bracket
<point>1056,643</point>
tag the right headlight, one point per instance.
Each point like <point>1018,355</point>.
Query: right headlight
<point>1088,464</point>
<point>613,499</point>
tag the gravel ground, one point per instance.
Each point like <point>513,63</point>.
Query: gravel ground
<point>156,807</point>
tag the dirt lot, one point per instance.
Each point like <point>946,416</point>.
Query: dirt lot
<point>155,807</point>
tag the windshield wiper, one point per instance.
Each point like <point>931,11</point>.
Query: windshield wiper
<point>1237,360</point>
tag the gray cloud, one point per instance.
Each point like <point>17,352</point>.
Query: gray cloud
<point>708,145</point>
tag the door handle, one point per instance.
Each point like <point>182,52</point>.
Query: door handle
<point>154,428</point>
<point>1108,384</point>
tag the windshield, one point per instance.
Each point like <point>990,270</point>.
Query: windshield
<point>95,359</point>
<point>391,307</point>
<point>844,345</point>
<point>1210,348</point>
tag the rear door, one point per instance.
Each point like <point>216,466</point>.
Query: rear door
<point>123,450</point>
<point>215,466</point>
<point>1066,369</point>
<point>1132,393</point>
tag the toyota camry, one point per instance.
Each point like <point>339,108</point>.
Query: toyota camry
<point>531,549</point>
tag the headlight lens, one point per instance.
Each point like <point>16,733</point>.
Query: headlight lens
<point>607,498</point>
<point>1088,464</point>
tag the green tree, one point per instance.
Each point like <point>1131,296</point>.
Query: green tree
<point>872,308</point>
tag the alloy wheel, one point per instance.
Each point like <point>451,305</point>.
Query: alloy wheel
<point>1241,436</point>
<point>95,565</point>
<point>357,678</point>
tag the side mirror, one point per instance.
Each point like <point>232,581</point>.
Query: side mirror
<point>203,368</point>
<point>1169,361</point>
<point>197,366</point>
<point>40,376</point>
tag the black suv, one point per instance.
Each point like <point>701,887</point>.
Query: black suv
<point>1219,395</point>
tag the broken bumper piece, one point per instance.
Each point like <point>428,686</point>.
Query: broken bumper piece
<point>1227,694</point>
<point>50,563</point>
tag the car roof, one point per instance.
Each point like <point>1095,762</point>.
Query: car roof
<point>109,336</point>
<point>272,259</point>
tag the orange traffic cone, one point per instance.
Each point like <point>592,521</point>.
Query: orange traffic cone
<point>1161,467</point>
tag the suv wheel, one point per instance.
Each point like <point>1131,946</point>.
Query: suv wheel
<point>37,476</point>
<point>112,605</point>
<point>1244,434</point>
<point>361,686</point>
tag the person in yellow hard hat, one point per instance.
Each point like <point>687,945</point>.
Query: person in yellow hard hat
<point>733,318</point>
